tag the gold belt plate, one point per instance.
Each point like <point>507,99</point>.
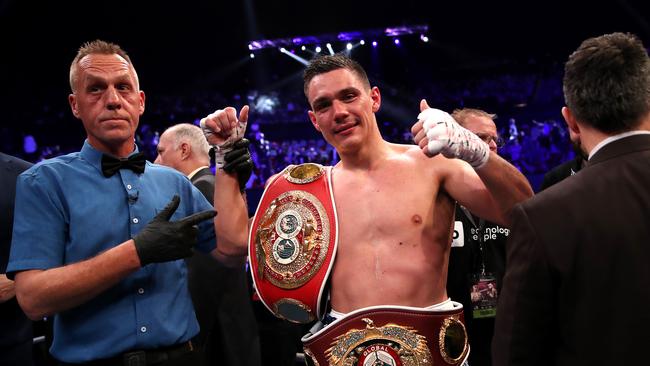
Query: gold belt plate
<point>391,344</point>
<point>292,239</point>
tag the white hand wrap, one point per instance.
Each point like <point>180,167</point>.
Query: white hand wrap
<point>452,140</point>
<point>221,149</point>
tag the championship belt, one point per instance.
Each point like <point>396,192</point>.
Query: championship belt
<point>391,335</point>
<point>292,242</point>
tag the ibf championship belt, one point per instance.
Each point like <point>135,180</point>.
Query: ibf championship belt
<point>292,242</point>
<point>391,335</point>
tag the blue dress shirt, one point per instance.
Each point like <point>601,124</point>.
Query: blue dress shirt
<point>67,211</point>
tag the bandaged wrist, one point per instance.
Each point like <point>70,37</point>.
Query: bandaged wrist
<point>220,155</point>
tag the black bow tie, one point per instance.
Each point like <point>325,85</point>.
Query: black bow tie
<point>111,165</point>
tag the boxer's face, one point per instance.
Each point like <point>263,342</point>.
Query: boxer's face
<point>342,108</point>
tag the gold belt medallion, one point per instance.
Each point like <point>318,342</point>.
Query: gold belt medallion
<point>304,173</point>
<point>391,344</point>
<point>292,239</point>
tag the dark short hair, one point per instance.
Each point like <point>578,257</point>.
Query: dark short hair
<point>326,63</point>
<point>607,82</point>
<point>95,47</point>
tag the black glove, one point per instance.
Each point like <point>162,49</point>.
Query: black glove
<point>163,240</point>
<point>239,161</point>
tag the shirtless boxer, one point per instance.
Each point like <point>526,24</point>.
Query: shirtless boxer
<point>395,203</point>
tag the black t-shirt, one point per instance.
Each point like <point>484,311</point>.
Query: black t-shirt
<point>465,260</point>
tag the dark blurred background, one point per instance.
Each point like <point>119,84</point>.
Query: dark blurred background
<point>192,57</point>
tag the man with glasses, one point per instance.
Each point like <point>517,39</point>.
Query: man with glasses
<point>477,256</point>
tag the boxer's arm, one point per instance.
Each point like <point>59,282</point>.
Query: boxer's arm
<point>231,225</point>
<point>490,187</point>
<point>222,129</point>
<point>507,185</point>
<point>490,192</point>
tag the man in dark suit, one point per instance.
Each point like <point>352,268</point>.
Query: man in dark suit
<point>577,280</point>
<point>568,168</point>
<point>229,333</point>
<point>16,329</point>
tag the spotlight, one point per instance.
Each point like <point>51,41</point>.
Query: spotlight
<point>318,49</point>
<point>348,46</point>
<point>424,38</point>
<point>362,42</point>
<point>250,46</point>
<point>252,55</point>
<point>329,48</point>
<point>292,53</point>
<point>303,48</point>
<point>397,41</point>
<point>374,43</point>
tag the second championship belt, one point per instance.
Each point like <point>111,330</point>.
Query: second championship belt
<point>292,242</point>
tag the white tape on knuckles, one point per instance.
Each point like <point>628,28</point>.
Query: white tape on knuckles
<point>446,136</point>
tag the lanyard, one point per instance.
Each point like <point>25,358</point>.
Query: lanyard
<point>479,228</point>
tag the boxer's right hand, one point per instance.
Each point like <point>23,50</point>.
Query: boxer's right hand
<point>238,161</point>
<point>222,127</point>
<point>436,132</point>
<point>163,240</point>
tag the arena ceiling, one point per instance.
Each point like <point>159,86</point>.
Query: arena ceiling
<point>185,45</point>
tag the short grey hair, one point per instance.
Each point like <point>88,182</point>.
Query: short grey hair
<point>102,48</point>
<point>192,134</point>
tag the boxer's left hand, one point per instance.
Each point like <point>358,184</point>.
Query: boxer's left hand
<point>436,132</point>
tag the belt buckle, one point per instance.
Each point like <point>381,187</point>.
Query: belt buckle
<point>137,358</point>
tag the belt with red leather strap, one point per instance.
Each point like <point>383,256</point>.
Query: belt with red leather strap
<point>292,242</point>
<point>391,335</point>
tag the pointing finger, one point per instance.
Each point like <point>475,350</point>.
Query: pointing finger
<point>198,217</point>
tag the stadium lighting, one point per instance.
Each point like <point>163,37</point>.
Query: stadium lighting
<point>330,49</point>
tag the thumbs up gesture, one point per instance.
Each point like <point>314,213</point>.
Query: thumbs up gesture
<point>436,132</point>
